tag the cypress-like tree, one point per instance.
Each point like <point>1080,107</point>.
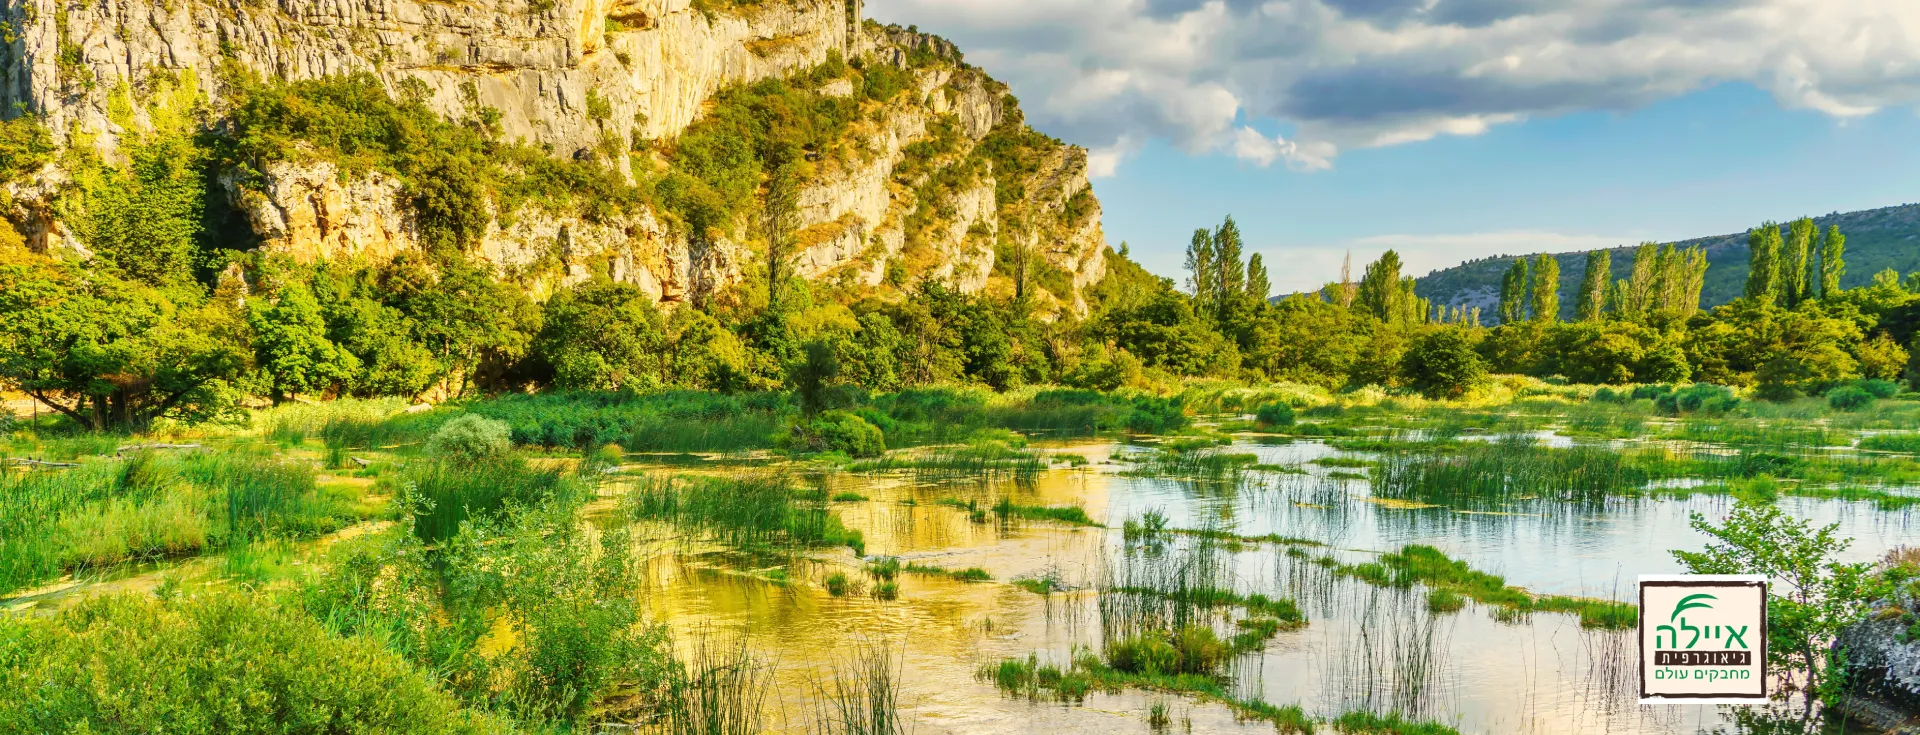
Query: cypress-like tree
<point>779,213</point>
<point>1591,304</point>
<point>1379,293</point>
<point>1227,245</point>
<point>1796,282</point>
<point>1641,283</point>
<point>1833,261</point>
<point>1200,262</point>
<point>1257,284</point>
<point>1763,267</point>
<point>1513,293</point>
<point>1411,308</point>
<point>1546,288</point>
<point>1695,280</point>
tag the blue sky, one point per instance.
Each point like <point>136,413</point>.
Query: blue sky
<point>1710,162</point>
<point>1455,129</point>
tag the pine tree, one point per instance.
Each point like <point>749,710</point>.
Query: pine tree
<point>1257,284</point>
<point>1833,261</point>
<point>1796,285</point>
<point>1546,288</point>
<point>1200,262</point>
<point>1591,304</point>
<point>1513,293</point>
<point>1227,245</point>
<point>1763,268</point>
<point>1379,292</point>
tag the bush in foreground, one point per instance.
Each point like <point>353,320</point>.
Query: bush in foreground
<point>220,663</point>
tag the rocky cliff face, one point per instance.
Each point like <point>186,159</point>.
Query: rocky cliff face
<point>582,79</point>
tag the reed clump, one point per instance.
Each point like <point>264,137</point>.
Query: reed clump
<point>743,512</point>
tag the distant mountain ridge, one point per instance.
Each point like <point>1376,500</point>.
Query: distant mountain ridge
<point>1877,239</point>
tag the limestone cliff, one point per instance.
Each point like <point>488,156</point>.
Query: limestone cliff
<point>588,80</point>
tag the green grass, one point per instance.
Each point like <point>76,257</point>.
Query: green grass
<point>1033,678</point>
<point>448,494</point>
<point>849,497</point>
<point>1495,473</point>
<point>151,506</point>
<point>985,458</point>
<point>1892,442</point>
<point>970,574</point>
<point>1447,579</point>
<point>1006,511</point>
<point>1368,723</point>
<point>1351,462</point>
<point>743,512</point>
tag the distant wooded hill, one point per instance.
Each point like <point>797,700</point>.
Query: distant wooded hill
<point>1877,239</point>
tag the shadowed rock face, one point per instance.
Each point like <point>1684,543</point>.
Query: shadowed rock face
<point>1884,664</point>
<point>649,67</point>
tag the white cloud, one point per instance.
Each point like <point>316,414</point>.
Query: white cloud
<point>1255,146</point>
<point>1337,75</point>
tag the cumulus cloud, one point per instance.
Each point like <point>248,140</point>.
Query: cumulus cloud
<point>1337,75</point>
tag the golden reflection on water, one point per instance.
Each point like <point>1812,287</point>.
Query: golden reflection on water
<point>1366,647</point>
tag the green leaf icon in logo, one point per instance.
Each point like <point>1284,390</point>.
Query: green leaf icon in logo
<point>1691,602</point>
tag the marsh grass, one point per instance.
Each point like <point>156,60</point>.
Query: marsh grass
<point>148,506</point>
<point>715,689</point>
<point>1477,474</point>
<point>446,494</point>
<point>1393,723</point>
<point>863,696</point>
<point>1195,464</point>
<point>1032,678</point>
<point>751,512</point>
<point>1906,443</point>
<point>1757,435</point>
<point>970,574</point>
<point>1449,579</point>
<point>980,460</point>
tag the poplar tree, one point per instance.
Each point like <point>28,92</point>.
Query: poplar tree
<point>1640,283</point>
<point>1227,245</point>
<point>1200,262</point>
<point>1763,267</point>
<point>1796,285</point>
<point>1380,292</point>
<point>1695,281</point>
<point>1591,304</point>
<point>1513,293</point>
<point>1257,284</point>
<point>1833,261</point>
<point>1546,288</point>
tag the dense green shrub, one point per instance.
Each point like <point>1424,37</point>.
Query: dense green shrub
<point>1443,364</point>
<point>1699,398</point>
<point>471,438</point>
<point>220,663</point>
<point>838,431</point>
<point>1276,413</point>
<point>1849,398</point>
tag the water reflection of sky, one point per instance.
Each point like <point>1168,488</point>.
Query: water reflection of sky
<point>1554,548</point>
<point>1365,647</point>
